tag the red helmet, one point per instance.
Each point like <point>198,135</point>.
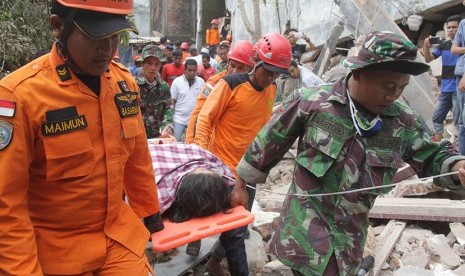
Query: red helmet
<point>275,52</point>
<point>184,46</point>
<point>242,51</point>
<point>137,58</point>
<point>105,6</point>
<point>215,21</point>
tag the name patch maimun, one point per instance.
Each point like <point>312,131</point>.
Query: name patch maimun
<point>63,120</point>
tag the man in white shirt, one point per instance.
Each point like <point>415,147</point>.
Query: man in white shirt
<point>198,58</point>
<point>184,92</point>
<point>305,76</point>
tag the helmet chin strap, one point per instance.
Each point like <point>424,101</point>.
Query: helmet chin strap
<point>68,22</point>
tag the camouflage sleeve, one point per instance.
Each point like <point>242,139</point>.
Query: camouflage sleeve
<point>273,141</point>
<point>168,112</point>
<point>429,158</point>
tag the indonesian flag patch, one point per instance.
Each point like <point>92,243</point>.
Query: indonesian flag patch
<point>7,108</point>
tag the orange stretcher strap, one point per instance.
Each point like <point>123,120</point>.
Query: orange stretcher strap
<point>178,234</point>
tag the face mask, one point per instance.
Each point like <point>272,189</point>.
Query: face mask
<point>363,126</point>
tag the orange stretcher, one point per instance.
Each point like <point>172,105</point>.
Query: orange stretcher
<point>178,234</point>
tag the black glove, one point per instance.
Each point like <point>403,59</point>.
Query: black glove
<point>154,223</point>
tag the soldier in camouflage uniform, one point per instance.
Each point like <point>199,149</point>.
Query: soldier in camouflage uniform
<point>345,143</point>
<point>155,95</point>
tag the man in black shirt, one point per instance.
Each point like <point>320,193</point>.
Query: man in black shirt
<point>299,49</point>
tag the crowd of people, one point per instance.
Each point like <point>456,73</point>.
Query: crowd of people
<point>79,131</point>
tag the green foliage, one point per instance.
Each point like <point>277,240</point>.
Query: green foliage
<point>24,30</point>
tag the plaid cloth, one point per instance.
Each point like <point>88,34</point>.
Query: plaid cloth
<point>172,161</point>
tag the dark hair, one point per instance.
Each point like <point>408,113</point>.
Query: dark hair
<point>190,61</point>
<point>205,56</point>
<point>177,43</point>
<point>163,39</point>
<point>287,32</point>
<point>293,64</point>
<point>199,195</point>
<point>223,47</point>
<point>192,50</point>
<point>454,18</point>
<point>177,53</point>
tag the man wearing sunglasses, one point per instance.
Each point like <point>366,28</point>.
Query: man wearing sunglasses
<point>352,134</point>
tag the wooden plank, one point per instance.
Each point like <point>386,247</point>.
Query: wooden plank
<point>322,63</point>
<point>419,209</point>
<point>386,242</point>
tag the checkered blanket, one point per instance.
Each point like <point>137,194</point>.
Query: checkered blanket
<point>172,161</point>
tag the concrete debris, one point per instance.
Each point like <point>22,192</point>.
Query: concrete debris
<point>438,247</point>
<point>275,268</point>
<point>412,271</point>
<point>414,251</point>
<point>458,230</point>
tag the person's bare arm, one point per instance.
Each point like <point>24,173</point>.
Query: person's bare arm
<point>426,50</point>
<point>310,45</point>
<point>456,49</point>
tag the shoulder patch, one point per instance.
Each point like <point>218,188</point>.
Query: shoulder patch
<point>7,108</point>
<point>6,133</point>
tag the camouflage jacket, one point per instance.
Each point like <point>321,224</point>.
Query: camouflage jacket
<point>155,106</point>
<point>222,66</point>
<point>331,158</point>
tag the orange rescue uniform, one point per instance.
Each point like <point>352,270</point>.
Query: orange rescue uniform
<point>212,37</point>
<point>62,175</point>
<point>211,82</point>
<point>231,117</point>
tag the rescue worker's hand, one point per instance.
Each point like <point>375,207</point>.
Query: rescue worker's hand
<point>462,84</point>
<point>460,167</point>
<point>426,43</point>
<point>167,132</point>
<point>239,195</point>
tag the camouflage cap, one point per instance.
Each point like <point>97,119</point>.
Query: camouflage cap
<point>152,51</point>
<point>383,50</point>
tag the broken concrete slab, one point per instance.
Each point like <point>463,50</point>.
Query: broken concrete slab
<point>275,268</point>
<point>458,229</point>
<point>263,222</point>
<point>437,246</point>
<point>412,271</point>
<point>460,270</point>
<point>256,257</point>
<point>432,209</point>
<point>273,202</point>
<point>416,258</point>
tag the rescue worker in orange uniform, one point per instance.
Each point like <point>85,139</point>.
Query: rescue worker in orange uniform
<point>234,112</point>
<point>212,37</point>
<point>240,60</point>
<point>71,138</point>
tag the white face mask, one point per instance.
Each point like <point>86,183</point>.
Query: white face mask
<point>364,127</point>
